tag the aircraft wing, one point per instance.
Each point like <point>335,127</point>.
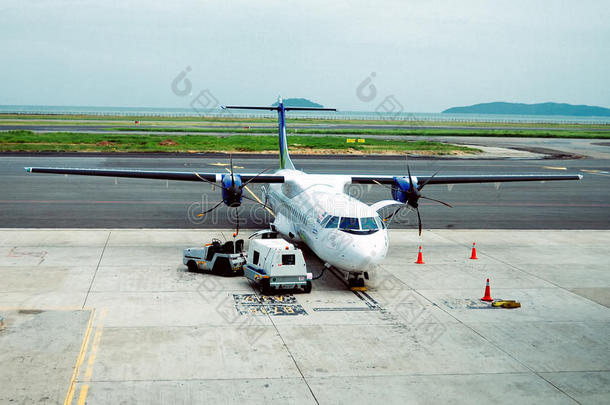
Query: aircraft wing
<point>472,178</point>
<point>158,175</point>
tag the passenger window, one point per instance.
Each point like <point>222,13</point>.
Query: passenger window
<point>368,224</point>
<point>288,260</point>
<point>332,223</point>
<point>349,223</point>
<point>255,256</point>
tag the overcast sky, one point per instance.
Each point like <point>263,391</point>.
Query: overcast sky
<point>430,55</point>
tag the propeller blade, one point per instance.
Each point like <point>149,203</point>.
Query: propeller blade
<point>253,200</point>
<point>237,226</point>
<point>438,201</point>
<point>210,210</point>
<point>386,186</point>
<point>231,161</point>
<point>253,178</point>
<point>208,181</point>
<point>410,179</point>
<point>426,182</point>
<point>418,220</point>
<point>394,213</point>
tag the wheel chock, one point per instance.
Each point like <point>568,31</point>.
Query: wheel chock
<point>358,288</point>
<point>506,304</point>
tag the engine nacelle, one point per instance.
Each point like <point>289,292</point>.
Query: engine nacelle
<point>401,188</point>
<point>232,190</point>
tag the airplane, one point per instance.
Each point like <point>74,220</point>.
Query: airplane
<point>345,233</point>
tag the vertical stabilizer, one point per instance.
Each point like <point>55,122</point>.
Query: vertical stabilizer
<point>285,161</point>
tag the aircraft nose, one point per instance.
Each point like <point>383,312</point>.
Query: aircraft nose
<point>365,251</point>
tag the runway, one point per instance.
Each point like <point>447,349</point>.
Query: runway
<point>55,201</point>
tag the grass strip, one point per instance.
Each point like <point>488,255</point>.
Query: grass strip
<point>29,141</point>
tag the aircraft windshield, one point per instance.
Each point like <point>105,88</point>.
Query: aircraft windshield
<point>332,222</point>
<point>368,224</point>
<point>349,224</point>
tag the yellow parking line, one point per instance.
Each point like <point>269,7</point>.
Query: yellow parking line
<point>84,389</point>
<point>83,395</point>
<point>554,168</point>
<point>79,360</point>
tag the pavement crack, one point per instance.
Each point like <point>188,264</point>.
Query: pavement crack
<point>96,269</point>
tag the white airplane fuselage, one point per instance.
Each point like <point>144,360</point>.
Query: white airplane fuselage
<point>305,208</point>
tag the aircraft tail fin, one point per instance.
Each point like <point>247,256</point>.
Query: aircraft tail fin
<point>285,161</point>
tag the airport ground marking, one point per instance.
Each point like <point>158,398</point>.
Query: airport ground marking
<point>79,360</point>
<point>596,172</point>
<point>82,397</point>
<point>554,168</point>
<point>84,389</point>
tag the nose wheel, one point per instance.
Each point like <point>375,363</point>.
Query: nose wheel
<point>355,281</point>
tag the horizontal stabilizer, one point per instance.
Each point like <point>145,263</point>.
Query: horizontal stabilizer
<point>243,107</point>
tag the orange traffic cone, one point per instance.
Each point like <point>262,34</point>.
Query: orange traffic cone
<point>487,296</point>
<point>473,256</point>
<point>420,257</point>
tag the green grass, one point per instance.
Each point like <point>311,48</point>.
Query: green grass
<point>81,142</point>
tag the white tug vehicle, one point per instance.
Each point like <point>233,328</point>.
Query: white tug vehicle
<point>217,257</point>
<point>275,264</point>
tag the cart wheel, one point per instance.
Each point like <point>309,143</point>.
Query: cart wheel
<point>307,288</point>
<point>265,287</point>
<point>192,266</point>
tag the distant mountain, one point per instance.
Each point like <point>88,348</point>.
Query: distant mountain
<point>531,109</point>
<point>299,102</point>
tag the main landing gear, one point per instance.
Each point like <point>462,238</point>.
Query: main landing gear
<point>355,281</point>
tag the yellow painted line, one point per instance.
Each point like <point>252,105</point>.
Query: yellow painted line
<point>93,354</point>
<point>84,389</point>
<point>259,200</point>
<point>79,360</point>
<point>225,164</point>
<point>596,172</point>
<point>554,168</point>
<point>83,395</point>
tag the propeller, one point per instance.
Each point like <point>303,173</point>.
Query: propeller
<point>412,197</point>
<point>233,193</point>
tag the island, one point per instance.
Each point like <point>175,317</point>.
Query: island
<point>531,109</point>
<point>298,102</point>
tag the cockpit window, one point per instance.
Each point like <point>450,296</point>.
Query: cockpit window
<point>380,223</point>
<point>332,222</point>
<point>325,220</point>
<point>368,223</point>
<point>349,224</point>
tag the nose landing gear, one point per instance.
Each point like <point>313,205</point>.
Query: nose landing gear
<point>355,281</point>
